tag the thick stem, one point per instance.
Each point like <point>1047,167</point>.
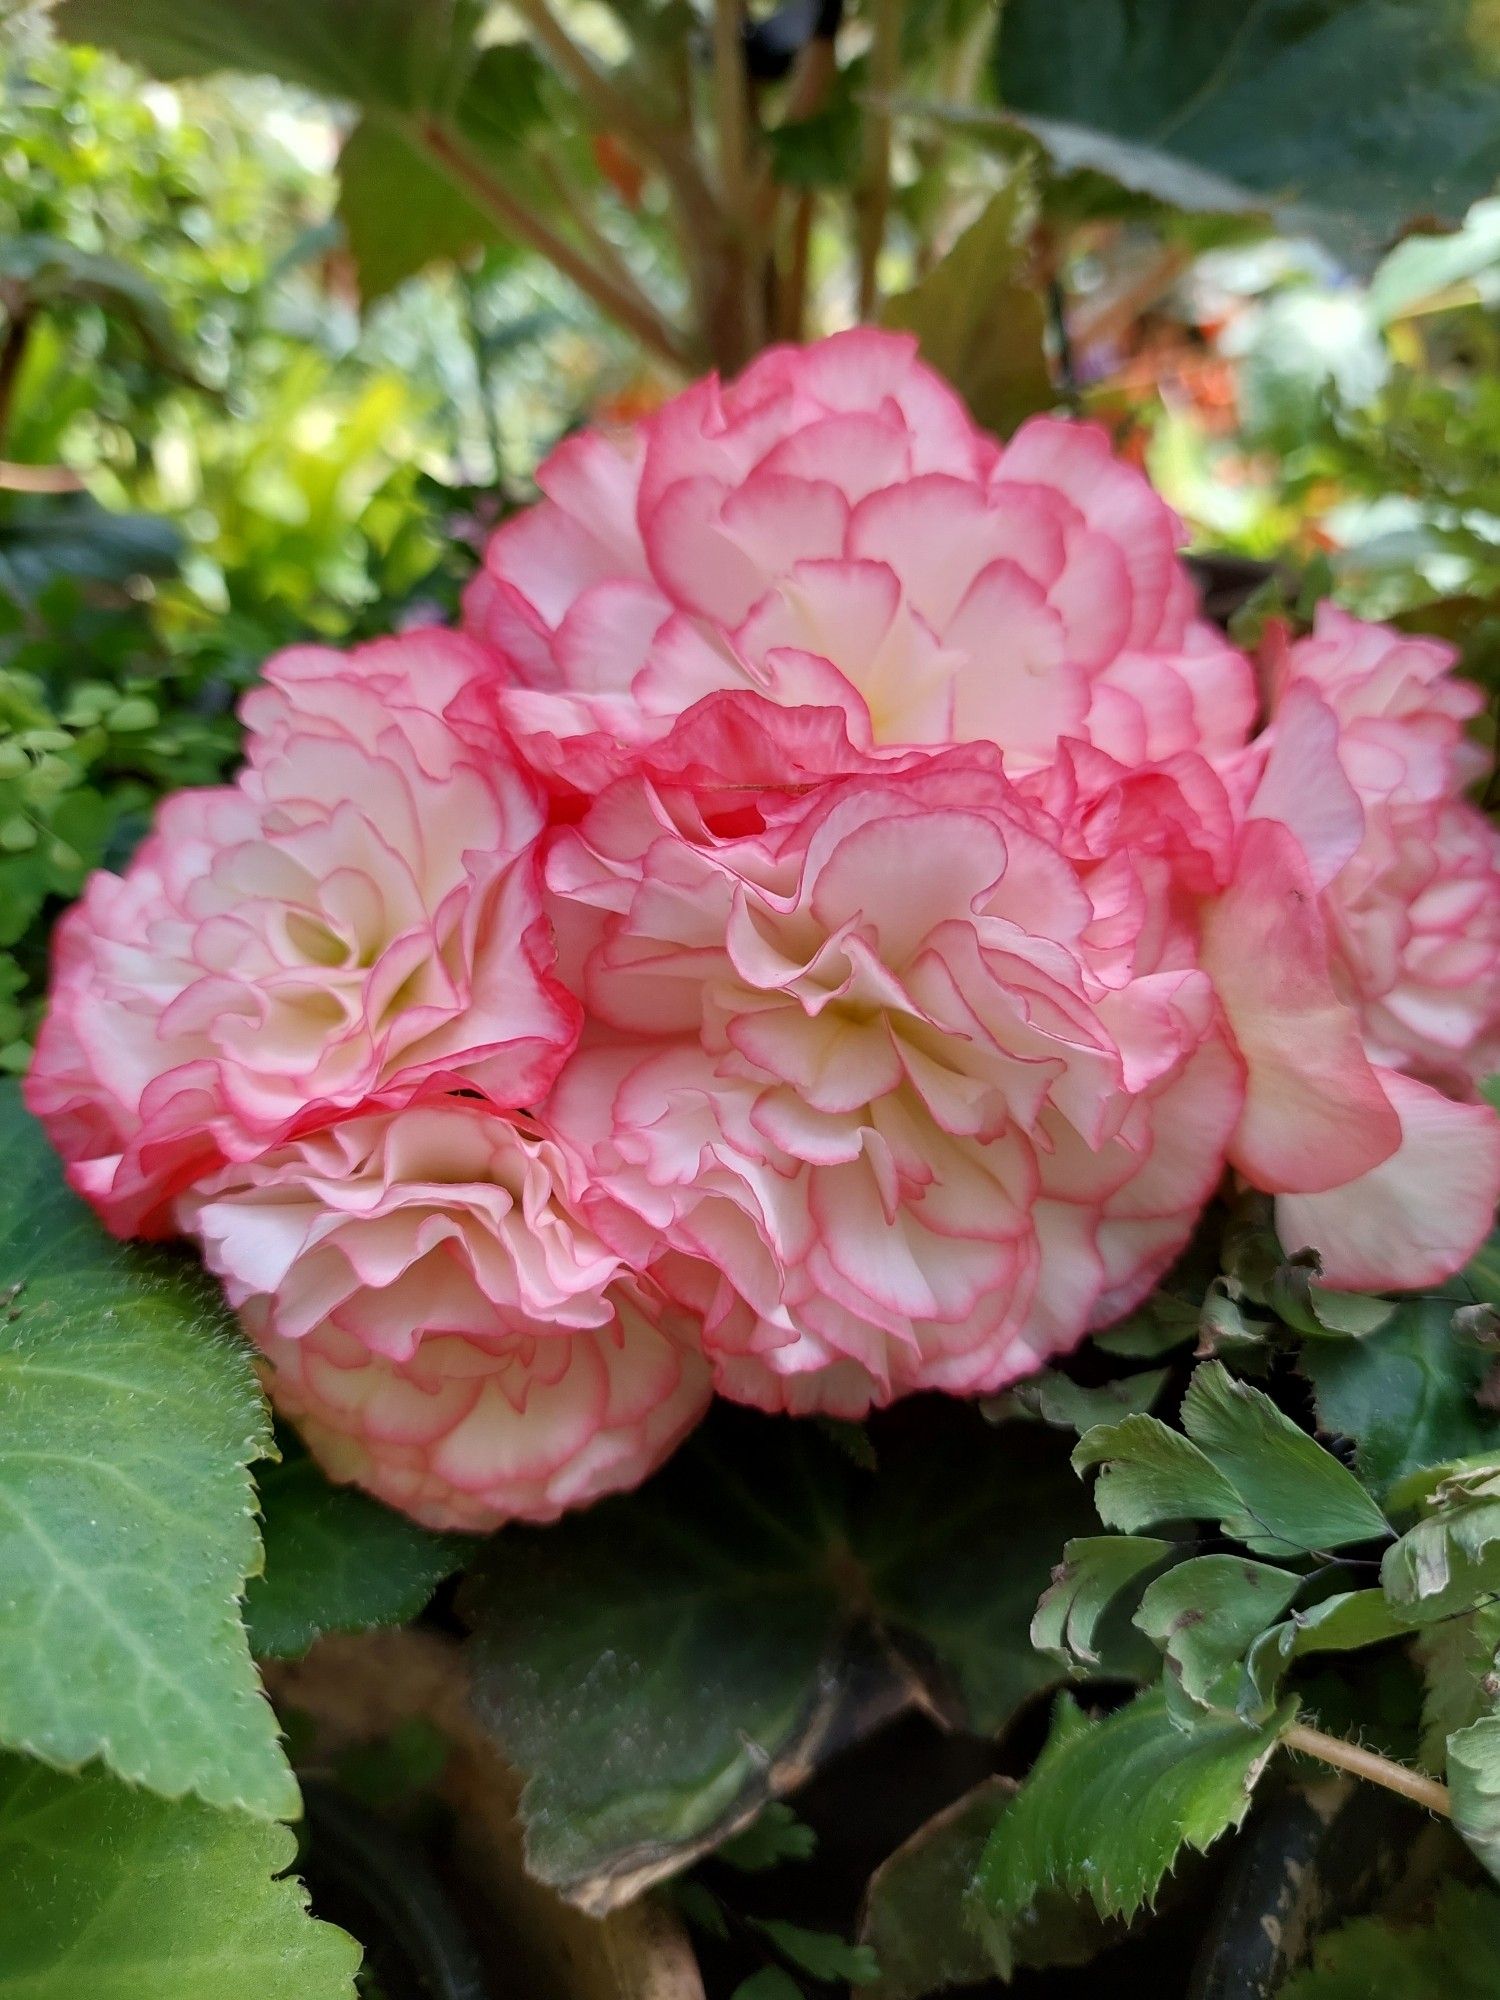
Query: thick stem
<point>1368,1764</point>
<point>791,303</point>
<point>875,181</point>
<point>625,303</point>
<point>736,278</point>
<point>732,110</point>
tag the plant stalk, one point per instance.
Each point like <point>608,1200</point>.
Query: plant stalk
<point>613,109</point>
<point>875,189</point>
<point>625,303</point>
<point>1368,1764</point>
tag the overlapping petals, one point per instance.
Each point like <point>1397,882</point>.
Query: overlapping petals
<point>865,1064</point>
<point>832,531</point>
<point>440,1323</point>
<point>1414,912</point>
<point>357,916</point>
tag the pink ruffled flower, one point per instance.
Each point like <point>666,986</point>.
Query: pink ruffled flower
<point>1414,912</point>
<point>357,916</point>
<point>832,531</point>
<point>440,1324</point>
<point>865,1069</point>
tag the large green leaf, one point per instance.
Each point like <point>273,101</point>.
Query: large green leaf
<point>979,321</point>
<point>44,536</point>
<point>1453,1956</point>
<point>1347,117</point>
<point>128,1418</point>
<point>112,1894</point>
<point>1110,1806</point>
<point>1404,1394</point>
<point>437,109</point>
<point>336,1561</point>
<point>663,1663</point>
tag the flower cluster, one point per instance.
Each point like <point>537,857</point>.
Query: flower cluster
<point>822,930</point>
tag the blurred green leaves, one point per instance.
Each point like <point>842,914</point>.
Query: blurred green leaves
<point>1347,117</point>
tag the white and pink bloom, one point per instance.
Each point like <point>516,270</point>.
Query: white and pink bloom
<point>866,1062</point>
<point>823,930</point>
<point>1414,913</point>
<point>357,916</point>
<point>439,1321</point>
<point>833,531</point>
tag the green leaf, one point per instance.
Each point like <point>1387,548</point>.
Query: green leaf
<point>1483,1269</point>
<point>1340,1624</point>
<point>129,1416</point>
<point>1474,1788</point>
<point>978,320</point>
<point>112,1894</point>
<point>1110,1805</point>
<point>915,1918</point>
<point>772,1982</point>
<point>773,1836</point>
<point>1454,1956</point>
<point>1297,1298</point>
<point>1093,1573</point>
<point>821,1954</point>
<point>400,212</point>
<point>1405,1394</point>
<point>1460,1661</point>
<point>1452,1558</point>
<point>1204,1615</point>
<point>1057,1399</point>
<point>1151,1474</point>
<point>660,1666</point>
<point>336,1561</point>
<point>1293,1495</point>
<point>1165,1321</point>
<point>1346,117</point>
